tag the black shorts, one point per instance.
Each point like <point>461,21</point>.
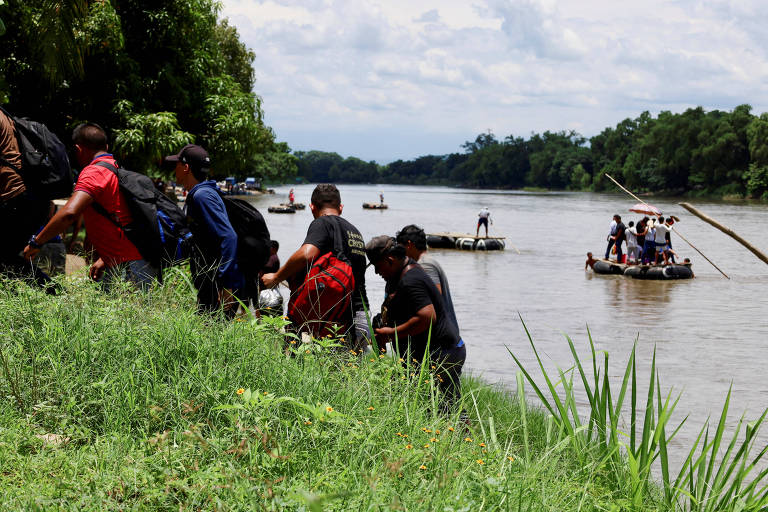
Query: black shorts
<point>482,221</point>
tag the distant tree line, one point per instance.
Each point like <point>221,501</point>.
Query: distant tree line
<point>156,74</point>
<point>694,153</point>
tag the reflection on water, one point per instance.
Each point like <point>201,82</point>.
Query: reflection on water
<point>708,332</point>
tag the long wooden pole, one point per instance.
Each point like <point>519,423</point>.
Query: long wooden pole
<point>725,229</point>
<point>673,228</point>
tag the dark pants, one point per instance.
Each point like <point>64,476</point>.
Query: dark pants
<point>20,218</point>
<point>449,363</point>
<point>611,241</point>
<point>208,296</point>
<point>649,252</point>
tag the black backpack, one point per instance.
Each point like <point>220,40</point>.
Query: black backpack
<point>253,239</point>
<point>45,165</point>
<point>158,227</point>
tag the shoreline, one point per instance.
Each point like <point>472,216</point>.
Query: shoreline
<point>166,400</point>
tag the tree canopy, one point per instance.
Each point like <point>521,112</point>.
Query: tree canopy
<point>693,152</point>
<point>157,75</point>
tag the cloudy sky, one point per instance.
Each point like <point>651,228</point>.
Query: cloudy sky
<point>383,80</point>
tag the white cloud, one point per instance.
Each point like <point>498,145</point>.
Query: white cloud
<point>437,72</point>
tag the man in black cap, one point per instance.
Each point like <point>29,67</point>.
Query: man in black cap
<point>215,272</point>
<point>417,316</point>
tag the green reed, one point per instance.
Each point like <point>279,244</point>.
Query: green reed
<point>709,479</point>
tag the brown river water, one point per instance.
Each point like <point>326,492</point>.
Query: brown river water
<point>709,332</point>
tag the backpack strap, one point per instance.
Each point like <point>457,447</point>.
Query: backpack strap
<point>96,206</point>
<point>9,164</point>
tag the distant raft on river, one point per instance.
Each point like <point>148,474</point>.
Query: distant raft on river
<point>281,208</point>
<point>375,206</point>
<point>286,208</point>
<point>654,272</point>
<point>465,242</point>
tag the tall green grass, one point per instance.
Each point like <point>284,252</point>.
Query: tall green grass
<point>132,401</point>
<point>717,475</point>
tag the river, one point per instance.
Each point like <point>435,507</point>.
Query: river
<point>709,332</point>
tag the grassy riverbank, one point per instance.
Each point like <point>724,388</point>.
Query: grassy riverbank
<point>131,401</point>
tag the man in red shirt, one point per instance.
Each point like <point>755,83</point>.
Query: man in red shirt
<point>115,253</point>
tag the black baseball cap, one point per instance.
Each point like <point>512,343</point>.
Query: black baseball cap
<point>194,156</point>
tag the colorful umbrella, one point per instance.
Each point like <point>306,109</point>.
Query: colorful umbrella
<point>646,209</point>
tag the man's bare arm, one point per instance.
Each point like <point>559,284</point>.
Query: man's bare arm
<point>298,261</point>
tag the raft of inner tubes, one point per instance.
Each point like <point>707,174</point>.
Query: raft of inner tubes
<point>465,244</point>
<point>654,272</point>
<point>281,209</point>
<point>375,206</point>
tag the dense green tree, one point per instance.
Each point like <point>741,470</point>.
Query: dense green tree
<point>756,176</point>
<point>695,151</point>
<point>146,138</point>
<point>316,165</point>
<point>65,61</point>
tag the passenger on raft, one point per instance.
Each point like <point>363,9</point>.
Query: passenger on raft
<point>662,230</point>
<point>631,234</point>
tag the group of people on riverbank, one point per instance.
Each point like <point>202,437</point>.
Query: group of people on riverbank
<point>649,242</point>
<point>417,317</point>
<point>326,273</point>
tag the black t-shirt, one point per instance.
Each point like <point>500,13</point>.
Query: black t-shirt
<point>322,233</point>
<point>414,291</point>
<point>620,229</point>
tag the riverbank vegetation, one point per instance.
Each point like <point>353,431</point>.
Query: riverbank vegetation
<point>691,153</point>
<point>156,76</point>
<point>131,401</point>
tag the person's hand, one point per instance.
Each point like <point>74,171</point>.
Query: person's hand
<point>385,334</point>
<point>30,252</point>
<point>270,280</point>
<point>97,269</point>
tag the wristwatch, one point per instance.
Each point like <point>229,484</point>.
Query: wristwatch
<point>33,242</point>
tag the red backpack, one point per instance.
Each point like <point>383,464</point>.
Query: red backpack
<point>321,300</point>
